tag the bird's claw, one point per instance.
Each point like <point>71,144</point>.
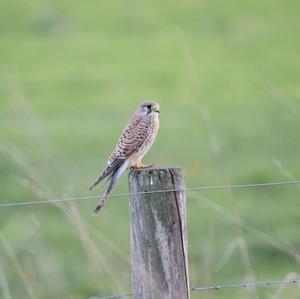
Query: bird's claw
<point>139,165</point>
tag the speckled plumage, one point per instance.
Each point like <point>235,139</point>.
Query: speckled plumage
<point>134,143</point>
<point>136,138</point>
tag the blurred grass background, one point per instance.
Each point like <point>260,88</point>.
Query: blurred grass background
<point>226,74</point>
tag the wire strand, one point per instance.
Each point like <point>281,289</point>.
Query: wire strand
<point>201,188</point>
<point>224,286</point>
<point>247,285</point>
<point>113,296</point>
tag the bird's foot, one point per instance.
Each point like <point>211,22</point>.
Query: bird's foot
<point>140,165</point>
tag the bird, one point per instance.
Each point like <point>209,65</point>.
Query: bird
<point>133,144</point>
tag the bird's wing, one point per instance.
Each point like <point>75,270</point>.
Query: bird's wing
<point>109,170</point>
<point>130,141</point>
<point>133,136</point>
<point>115,176</point>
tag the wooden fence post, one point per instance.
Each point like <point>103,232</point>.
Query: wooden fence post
<point>158,234</point>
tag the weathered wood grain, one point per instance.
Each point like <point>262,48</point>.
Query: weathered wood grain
<point>158,234</point>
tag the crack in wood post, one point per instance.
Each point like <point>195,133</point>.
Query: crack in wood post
<point>182,230</point>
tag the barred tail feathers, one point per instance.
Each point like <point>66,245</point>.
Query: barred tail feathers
<point>115,176</point>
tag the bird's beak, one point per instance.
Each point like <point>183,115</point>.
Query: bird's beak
<point>155,108</point>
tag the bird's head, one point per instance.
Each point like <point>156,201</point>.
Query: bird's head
<point>148,107</point>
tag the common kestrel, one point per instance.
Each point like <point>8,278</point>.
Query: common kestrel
<point>134,143</point>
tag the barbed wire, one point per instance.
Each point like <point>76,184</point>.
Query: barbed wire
<point>201,188</point>
<point>224,286</point>
<point>247,285</point>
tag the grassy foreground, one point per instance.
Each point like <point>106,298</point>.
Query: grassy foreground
<point>226,74</point>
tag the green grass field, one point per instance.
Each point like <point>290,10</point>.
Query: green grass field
<point>226,74</point>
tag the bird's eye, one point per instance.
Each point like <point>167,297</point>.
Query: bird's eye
<point>149,106</point>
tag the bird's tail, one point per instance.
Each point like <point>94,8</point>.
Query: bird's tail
<point>113,179</point>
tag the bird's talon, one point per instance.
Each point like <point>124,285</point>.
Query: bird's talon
<point>148,165</point>
<point>140,165</point>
